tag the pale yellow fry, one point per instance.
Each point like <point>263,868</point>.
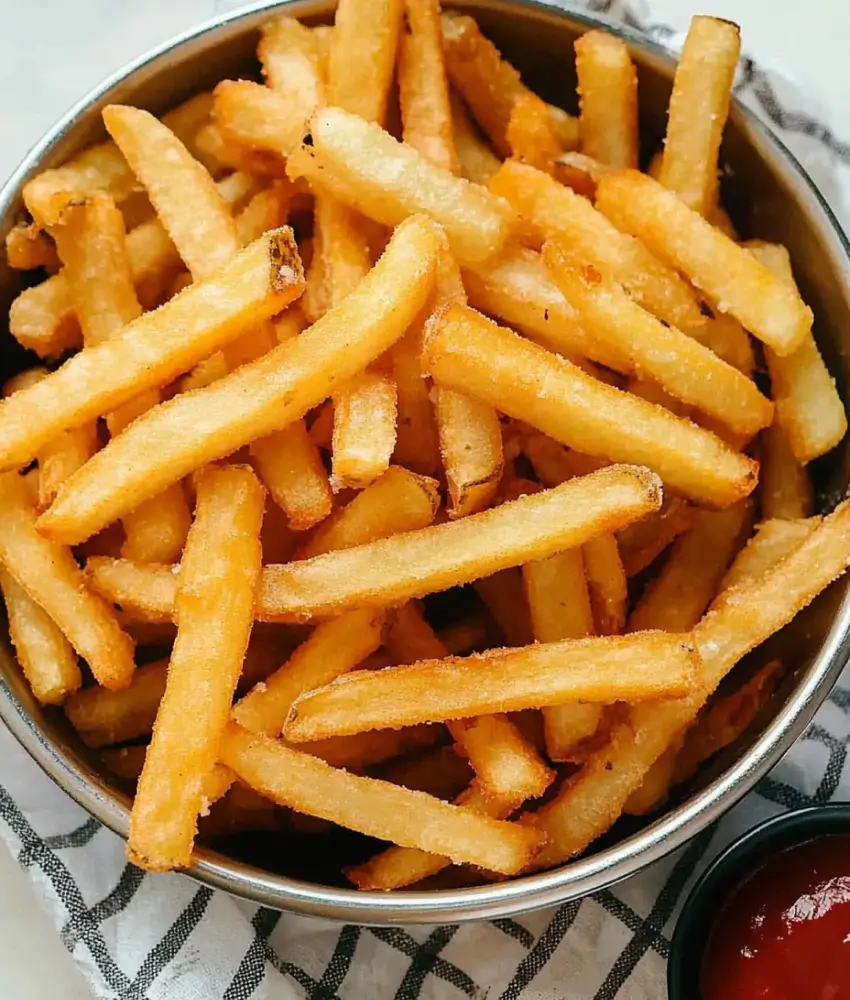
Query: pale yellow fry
<point>685,368</point>
<point>290,54</point>
<point>631,668</point>
<point>181,190</point>
<point>362,56</point>
<point>395,569</point>
<point>342,246</point>
<point>46,658</point>
<point>422,85</point>
<point>214,613</point>
<point>531,133</point>
<point>655,787</point>
<point>292,469</point>
<point>367,169</point>
<point>376,808</point>
<point>49,574</point>
<point>606,579</point>
<point>331,650</point>
<point>681,592</point>
<point>773,540</point>
<point>489,84</point>
<point>786,490</point>
<point>727,274</point>
<point>808,407</point>
<point>364,435</point>
<point>396,502</point>
<point>607,90</point>
<point>467,352</point>
<point>271,392</point>
<point>150,351</point>
<point>259,119</point>
<point>477,161</point>
<point>416,447</point>
<point>699,106</point>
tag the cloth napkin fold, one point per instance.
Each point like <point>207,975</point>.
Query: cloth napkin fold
<point>164,937</point>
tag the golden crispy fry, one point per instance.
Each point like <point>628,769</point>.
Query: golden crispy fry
<point>376,808</point>
<point>291,57</point>
<point>478,162</point>
<point>51,578</point>
<point>606,579</point>
<point>489,85</point>
<point>416,445</point>
<point>144,591</point>
<point>300,372</point>
<point>772,541</point>
<point>553,464</point>
<point>655,787</point>
<point>46,657</point>
<point>332,649</point>
<point>363,750</point>
<point>367,169</point>
<point>808,407</point>
<point>580,172</point>
<point>471,447</point>
<point>42,320</point>
<point>364,429</point>
<point>467,352</point>
<point>267,209</point>
<point>61,458</point>
<point>641,543</point>
<point>465,636</point>
<point>154,348</point>
<point>503,597</point>
<point>29,247</point>
<point>214,614</point>
<point>422,85</point>
<point>396,502</point>
<point>292,469</point>
<point>531,134</point>
<point>699,105</point>
<point>607,89</point>
<point>258,119</point>
<point>628,668</point>
<point>393,570</point>
<point>727,274</point>
<point>681,592</point>
<point>362,56</point>
<point>683,367</point>
<point>786,490</point>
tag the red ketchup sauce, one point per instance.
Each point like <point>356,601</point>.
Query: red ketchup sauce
<point>784,934</point>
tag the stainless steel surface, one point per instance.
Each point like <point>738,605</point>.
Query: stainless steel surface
<point>770,196</point>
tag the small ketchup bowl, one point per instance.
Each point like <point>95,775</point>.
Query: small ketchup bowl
<point>770,917</point>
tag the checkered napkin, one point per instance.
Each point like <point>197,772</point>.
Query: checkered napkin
<point>152,937</point>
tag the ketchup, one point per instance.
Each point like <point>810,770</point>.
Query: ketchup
<point>785,932</point>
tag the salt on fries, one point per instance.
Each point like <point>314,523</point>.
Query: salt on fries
<point>515,365</point>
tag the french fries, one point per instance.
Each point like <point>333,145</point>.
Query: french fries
<point>292,469</point>
<point>364,435</point>
<point>466,352</point>
<point>501,680</point>
<point>214,614</point>
<point>28,247</point>
<point>349,156</point>
<point>292,62</point>
<point>641,543</point>
<point>477,161</point>
<point>730,277</point>
<point>606,580</point>
<point>786,490</point>
<point>607,89</point>
<point>416,445</point>
<point>301,372</point>
<point>502,595</point>
<point>531,133</point>
<point>772,541</point>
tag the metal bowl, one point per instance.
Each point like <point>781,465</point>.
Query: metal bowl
<point>768,194</point>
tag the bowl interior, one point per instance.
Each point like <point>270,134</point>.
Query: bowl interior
<point>767,195</point>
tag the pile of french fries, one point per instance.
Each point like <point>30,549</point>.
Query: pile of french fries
<point>386,326</point>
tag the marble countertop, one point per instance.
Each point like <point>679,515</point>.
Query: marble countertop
<point>53,51</point>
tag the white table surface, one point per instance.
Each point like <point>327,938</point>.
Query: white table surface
<point>53,51</point>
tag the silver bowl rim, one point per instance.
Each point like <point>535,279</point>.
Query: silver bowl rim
<point>577,878</point>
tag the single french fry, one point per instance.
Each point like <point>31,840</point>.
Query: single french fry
<point>606,580</point>
<point>61,458</point>
<point>367,169</point>
<point>272,391</point>
<point>258,118</point>
<point>214,614</point>
<point>607,89</point>
<point>50,576</point>
<point>681,592</point>
<point>772,541</point>
<point>377,808</point>
<point>641,543</point>
<point>477,161</point>
<point>630,668</point>
<point>684,368</point>
<point>580,172</point>
<point>467,352</point>
<point>503,597</point>
<point>364,434</point>
<point>379,746</point>
<point>786,490</point>
<point>699,106</point>
<point>655,787</point>
<point>489,85</point>
<point>416,447</point>
<point>290,54</point>
<point>259,281</point>
<point>531,135</point>
<point>42,320</point>
<point>471,446</point>
<point>291,467</point>
<point>332,649</point>
<point>28,247</point>
<point>422,85</point>
<point>396,502</point>
<point>267,209</point>
<point>731,278</point>
<point>396,569</point>
<point>808,407</point>
<point>46,658</point>
<point>551,211</point>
